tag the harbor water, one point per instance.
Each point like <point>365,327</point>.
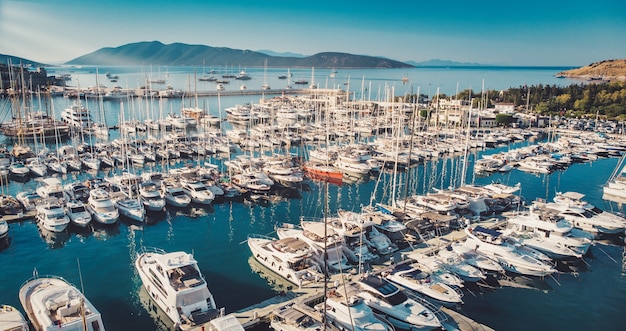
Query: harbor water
<point>101,261</point>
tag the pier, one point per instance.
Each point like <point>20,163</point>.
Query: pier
<point>312,294</point>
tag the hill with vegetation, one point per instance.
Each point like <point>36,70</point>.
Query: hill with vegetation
<point>157,53</point>
<point>606,70</point>
<point>15,61</point>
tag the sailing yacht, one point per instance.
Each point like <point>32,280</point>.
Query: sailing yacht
<point>174,281</point>
<point>52,303</point>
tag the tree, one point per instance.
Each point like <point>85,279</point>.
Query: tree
<point>504,119</point>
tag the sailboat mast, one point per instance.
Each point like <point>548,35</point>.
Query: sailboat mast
<point>467,135</point>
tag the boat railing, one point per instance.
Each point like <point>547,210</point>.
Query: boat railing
<point>259,236</point>
<point>441,316</point>
<point>37,276</point>
<point>149,249</point>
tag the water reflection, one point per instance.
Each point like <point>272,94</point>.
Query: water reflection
<point>276,282</point>
<point>54,239</point>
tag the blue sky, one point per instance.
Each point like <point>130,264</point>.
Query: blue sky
<point>531,32</point>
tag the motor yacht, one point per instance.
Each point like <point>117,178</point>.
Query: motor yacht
<point>11,319</point>
<point>403,312</point>
<point>598,224</point>
<point>51,187</point>
<point>174,282</point>
<point>331,246</point>
<point>52,303</point>
<point>412,277</point>
<point>101,206</point>
<point>511,257</point>
<point>76,191</point>
<point>289,257</point>
<point>348,311</point>
<point>297,317</point>
<point>29,199</point>
<point>550,226</point>
<point>78,213</point>
<point>132,208</point>
<point>4,229</point>
<point>151,197</point>
<point>352,224</point>
<point>174,195</point>
<point>51,215</point>
<point>198,192</point>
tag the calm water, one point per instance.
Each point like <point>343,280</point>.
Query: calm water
<point>592,299</point>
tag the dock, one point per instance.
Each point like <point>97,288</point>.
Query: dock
<point>312,294</point>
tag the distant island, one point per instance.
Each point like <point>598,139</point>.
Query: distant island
<point>157,53</point>
<point>603,70</point>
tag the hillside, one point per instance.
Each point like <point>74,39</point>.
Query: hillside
<point>157,53</point>
<point>608,69</point>
<point>4,59</point>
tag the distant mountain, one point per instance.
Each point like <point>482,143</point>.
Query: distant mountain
<point>285,54</point>
<point>442,63</point>
<point>607,69</point>
<point>157,53</point>
<point>4,59</point>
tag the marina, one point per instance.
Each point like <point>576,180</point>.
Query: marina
<point>215,228</point>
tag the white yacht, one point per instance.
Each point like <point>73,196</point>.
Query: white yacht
<point>132,208</point>
<point>576,199</point>
<point>386,223</point>
<point>11,319</point>
<point>198,192</point>
<point>18,169</point>
<point>550,226</point>
<point>583,219</point>
<point>403,312</point>
<point>151,197</point>
<point>4,229</point>
<point>254,181</point>
<point>412,277</point>
<point>290,257</point>
<point>77,115</point>
<point>348,311</point>
<point>29,199</point>
<point>76,191</point>
<point>492,244</point>
<point>296,317</point>
<point>313,233</point>
<point>51,215</point>
<point>174,195</point>
<point>174,281</point>
<point>553,249</point>
<point>102,207</point>
<point>352,224</point>
<point>78,213</point>
<point>460,266</point>
<point>51,187</point>
<point>52,303</point>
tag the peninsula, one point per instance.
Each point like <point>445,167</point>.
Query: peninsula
<point>603,70</point>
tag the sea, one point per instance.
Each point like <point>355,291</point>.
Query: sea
<point>100,261</point>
